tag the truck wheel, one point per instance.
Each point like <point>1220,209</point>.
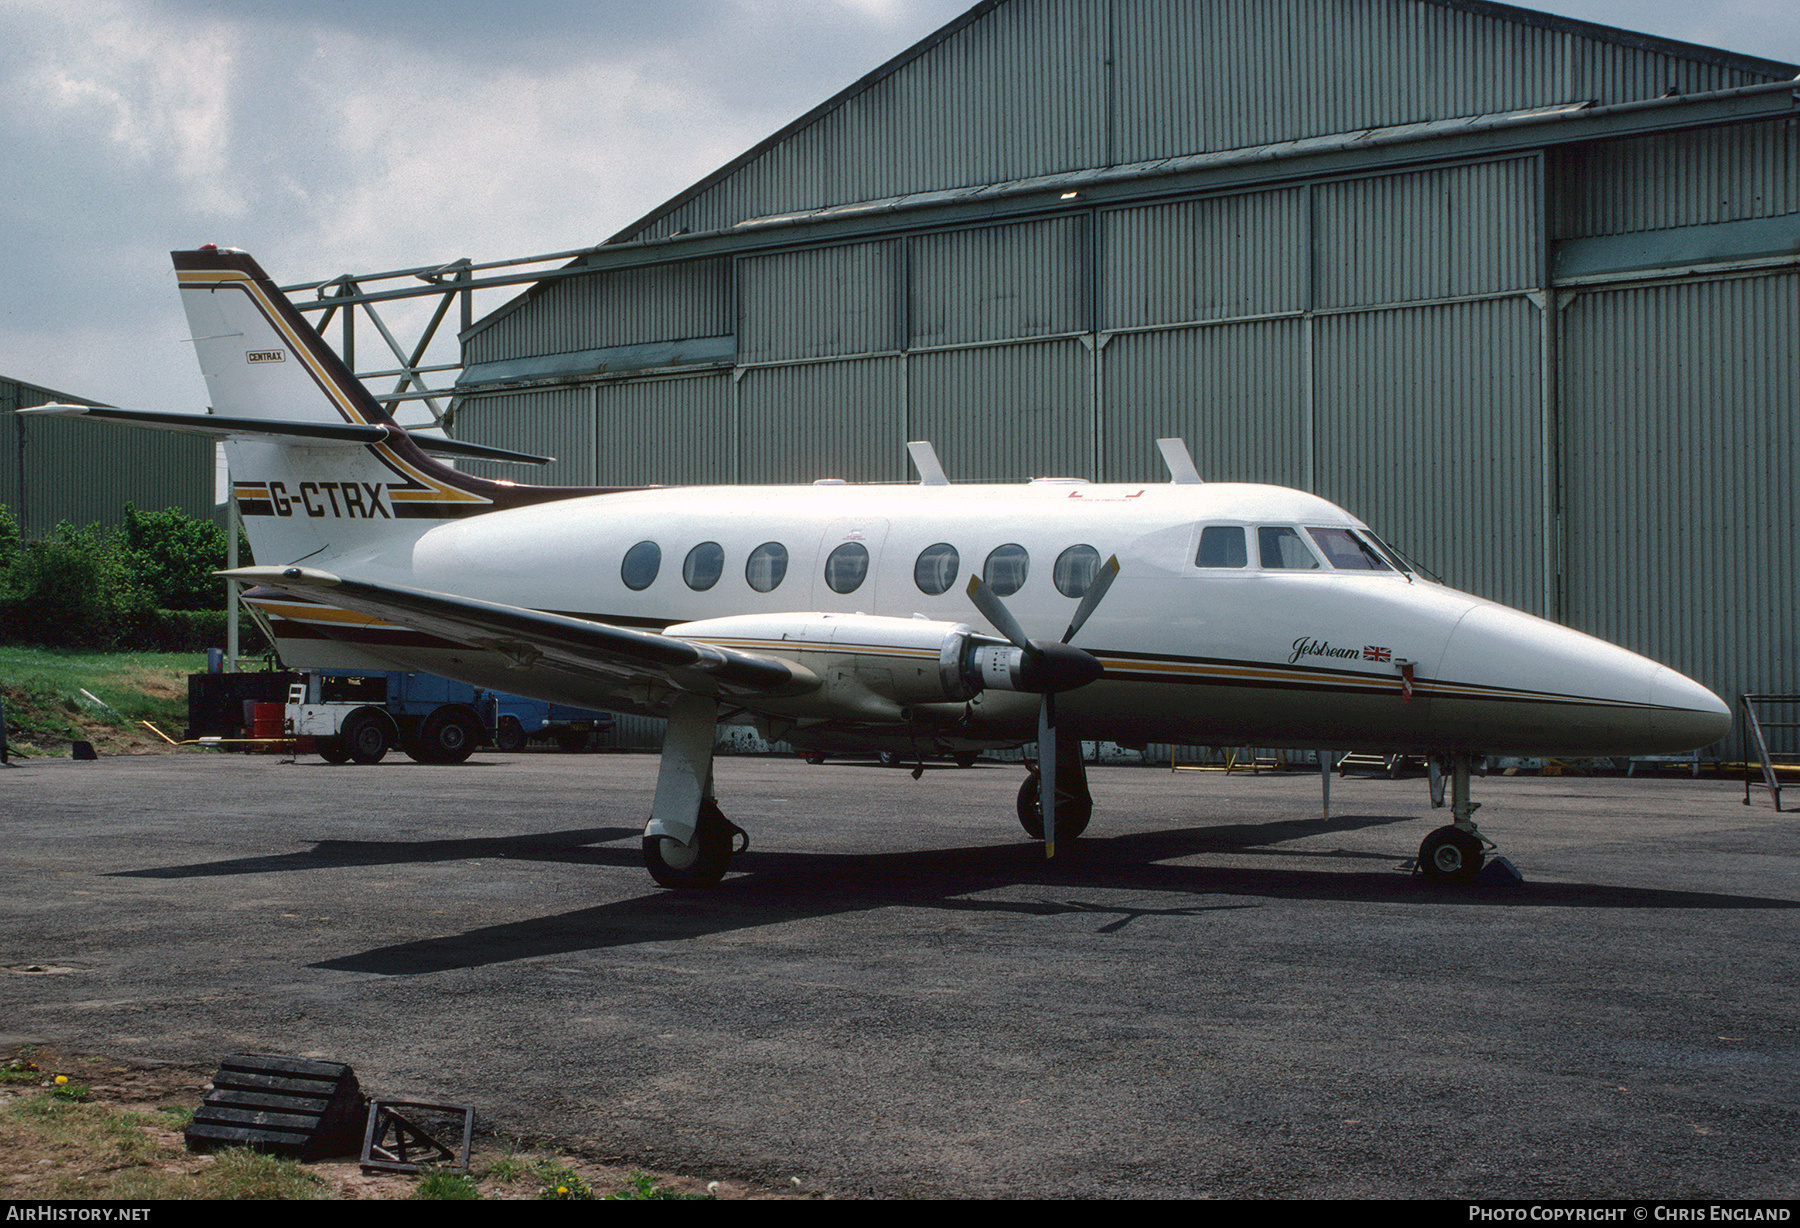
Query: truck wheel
<point>509,736</point>
<point>367,734</point>
<point>572,740</point>
<point>449,735</point>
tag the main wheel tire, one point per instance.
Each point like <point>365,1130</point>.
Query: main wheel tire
<point>967,758</point>
<point>367,735</point>
<point>449,735</point>
<point>699,864</point>
<point>1072,813</point>
<point>510,735</point>
<point>891,758</point>
<point>333,750</point>
<point>1450,855</point>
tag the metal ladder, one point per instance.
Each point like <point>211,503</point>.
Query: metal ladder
<point>1756,725</point>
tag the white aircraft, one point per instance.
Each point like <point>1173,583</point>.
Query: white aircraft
<point>838,616</point>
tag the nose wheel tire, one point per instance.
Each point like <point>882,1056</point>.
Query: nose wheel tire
<point>701,863</point>
<point>1451,855</point>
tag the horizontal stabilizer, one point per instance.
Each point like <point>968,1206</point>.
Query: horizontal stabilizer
<point>546,641</point>
<point>222,427</point>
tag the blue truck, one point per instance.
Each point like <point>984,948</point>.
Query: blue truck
<point>361,716</point>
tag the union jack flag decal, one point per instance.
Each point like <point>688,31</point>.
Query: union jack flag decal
<point>1372,653</point>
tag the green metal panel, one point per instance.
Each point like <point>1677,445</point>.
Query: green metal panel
<point>808,421</point>
<point>1006,413</point>
<point>56,469</point>
<point>820,302</point>
<point>1213,258</point>
<point>1428,425</point>
<point>555,422</point>
<point>993,283</point>
<point>1234,392</point>
<point>1679,458</point>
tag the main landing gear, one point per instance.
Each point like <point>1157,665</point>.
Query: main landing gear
<point>1074,804</point>
<point>688,841</point>
<point>702,862</point>
<point>1455,853</point>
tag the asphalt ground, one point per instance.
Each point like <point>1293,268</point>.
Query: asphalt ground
<point>1214,994</point>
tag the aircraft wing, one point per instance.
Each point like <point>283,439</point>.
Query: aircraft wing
<point>533,638</point>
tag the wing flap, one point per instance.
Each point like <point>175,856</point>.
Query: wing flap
<point>532,637</point>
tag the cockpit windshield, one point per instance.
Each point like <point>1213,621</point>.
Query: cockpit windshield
<point>1346,551</point>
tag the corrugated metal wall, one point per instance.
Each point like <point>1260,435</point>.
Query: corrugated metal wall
<point>1680,456</point>
<point>1395,341</point>
<point>1032,87</point>
<point>53,469</point>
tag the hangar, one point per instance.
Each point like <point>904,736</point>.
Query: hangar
<point>1521,291</point>
<point>50,470</point>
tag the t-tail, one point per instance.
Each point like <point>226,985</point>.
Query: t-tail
<point>320,470</point>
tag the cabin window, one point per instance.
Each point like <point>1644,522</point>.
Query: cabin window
<point>1075,570</point>
<point>766,567</point>
<point>1006,569</point>
<point>1283,549</point>
<point>703,566</point>
<point>936,568</point>
<point>1222,545</point>
<point>1346,552</point>
<point>641,564</point>
<point>846,567</point>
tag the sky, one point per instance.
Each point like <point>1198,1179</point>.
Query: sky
<point>334,136</point>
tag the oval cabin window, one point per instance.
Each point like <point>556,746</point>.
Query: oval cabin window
<point>1075,570</point>
<point>1006,568</point>
<point>766,567</point>
<point>641,564</point>
<point>936,569</point>
<point>704,565</point>
<point>846,567</point>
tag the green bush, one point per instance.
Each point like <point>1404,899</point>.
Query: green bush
<point>72,589</point>
<point>173,556</point>
<point>146,585</point>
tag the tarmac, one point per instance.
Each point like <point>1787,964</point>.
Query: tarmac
<point>1213,994</point>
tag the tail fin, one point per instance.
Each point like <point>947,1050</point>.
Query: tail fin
<point>307,498</point>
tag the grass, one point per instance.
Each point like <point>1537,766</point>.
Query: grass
<point>45,709</point>
<point>114,1135</point>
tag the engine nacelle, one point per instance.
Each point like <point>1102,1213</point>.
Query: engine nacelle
<point>900,661</point>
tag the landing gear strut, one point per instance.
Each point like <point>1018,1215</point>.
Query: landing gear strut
<point>688,841</point>
<point>1455,854</point>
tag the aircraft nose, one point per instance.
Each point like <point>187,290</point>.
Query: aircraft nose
<point>1690,714</point>
<point>1548,689</point>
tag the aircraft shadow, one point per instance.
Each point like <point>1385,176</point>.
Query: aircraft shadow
<point>775,887</point>
<point>569,845</point>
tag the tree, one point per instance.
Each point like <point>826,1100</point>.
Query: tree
<point>173,557</point>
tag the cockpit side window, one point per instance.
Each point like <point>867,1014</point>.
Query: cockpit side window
<point>1347,552</point>
<point>1222,545</point>
<point>1283,549</point>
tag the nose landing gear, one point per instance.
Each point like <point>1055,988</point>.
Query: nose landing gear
<point>1455,853</point>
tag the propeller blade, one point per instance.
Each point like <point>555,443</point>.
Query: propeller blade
<point>995,611</point>
<point>1090,600</point>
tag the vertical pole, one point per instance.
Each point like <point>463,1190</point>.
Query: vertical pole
<point>1326,757</point>
<point>232,524</point>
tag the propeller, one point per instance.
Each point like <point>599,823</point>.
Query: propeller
<point>1047,668</point>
